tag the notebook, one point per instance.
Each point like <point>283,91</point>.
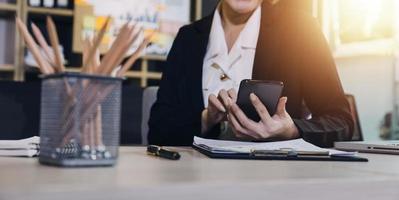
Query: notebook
<point>25,148</point>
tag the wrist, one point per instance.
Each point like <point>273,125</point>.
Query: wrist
<point>205,124</point>
<point>293,131</point>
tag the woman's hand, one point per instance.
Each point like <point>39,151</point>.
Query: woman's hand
<point>216,111</point>
<point>277,127</point>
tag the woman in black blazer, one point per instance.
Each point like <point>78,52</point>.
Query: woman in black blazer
<point>291,49</point>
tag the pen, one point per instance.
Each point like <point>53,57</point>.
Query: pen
<point>163,153</point>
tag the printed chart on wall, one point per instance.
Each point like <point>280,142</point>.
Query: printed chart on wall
<point>164,16</point>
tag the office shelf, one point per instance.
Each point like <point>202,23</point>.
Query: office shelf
<point>140,74</point>
<point>22,10</point>
<point>129,74</point>
<point>51,11</point>
<point>6,68</point>
<point>154,57</point>
<point>8,7</point>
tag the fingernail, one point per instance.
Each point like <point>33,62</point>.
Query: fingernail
<point>222,109</point>
<point>252,96</point>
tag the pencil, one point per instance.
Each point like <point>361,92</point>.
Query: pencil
<point>124,50</point>
<point>49,53</point>
<point>85,55</point>
<point>52,31</point>
<point>92,133</point>
<point>42,42</point>
<point>133,58</point>
<point>98,128</point>
<point>106,61</point>
<point>120,52</point>
<point>97,42</point>
<point>44,67</point>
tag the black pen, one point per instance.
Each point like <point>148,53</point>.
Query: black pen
<point>163,153</point>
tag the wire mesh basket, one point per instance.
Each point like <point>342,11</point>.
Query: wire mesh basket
<point>80,120</point>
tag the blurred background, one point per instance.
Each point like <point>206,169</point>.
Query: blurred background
<point>363,36</point>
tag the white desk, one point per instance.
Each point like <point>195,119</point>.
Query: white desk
<point>139,176</point>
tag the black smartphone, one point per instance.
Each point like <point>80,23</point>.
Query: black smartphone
<point>269,93</point>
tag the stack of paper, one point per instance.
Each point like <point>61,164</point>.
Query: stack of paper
<point>26,147</point>
<point>223,146</point>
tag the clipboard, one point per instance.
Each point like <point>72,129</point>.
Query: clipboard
<point>278,156</point>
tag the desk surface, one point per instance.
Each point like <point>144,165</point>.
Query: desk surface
<point>139,176</point>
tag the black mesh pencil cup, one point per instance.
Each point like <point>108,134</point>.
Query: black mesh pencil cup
<point>80,120</point>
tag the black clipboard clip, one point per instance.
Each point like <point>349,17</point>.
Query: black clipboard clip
<point>288,152</point>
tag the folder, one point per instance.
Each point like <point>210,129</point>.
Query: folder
<point>285,150</point>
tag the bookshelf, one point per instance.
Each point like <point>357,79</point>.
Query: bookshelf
<point>23,10</point>
<point>13,68</point>
<point>50,11</point>
<point>8,7</point>
<point>6,68</point>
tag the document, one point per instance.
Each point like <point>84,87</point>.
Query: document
<point>233,147</point>
<point>26,147</point>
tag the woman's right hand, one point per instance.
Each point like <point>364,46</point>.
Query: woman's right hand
<point>216,111</point>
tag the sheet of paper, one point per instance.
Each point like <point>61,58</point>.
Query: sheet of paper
<point>28,143</point>
<point>224,146</point>
<point>19,153</point>
<point>28,147</point>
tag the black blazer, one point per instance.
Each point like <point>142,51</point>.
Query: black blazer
<point>291,48</point>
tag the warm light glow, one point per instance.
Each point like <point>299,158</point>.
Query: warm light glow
<point>369,9</point>
<point>361,20</point>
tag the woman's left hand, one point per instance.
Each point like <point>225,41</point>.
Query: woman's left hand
<point>280,126</point>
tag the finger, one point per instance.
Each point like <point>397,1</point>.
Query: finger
<point>224,97</point>
<point>233,94</point>
<point>242,118</point>
<point>240,131</point>
<point>260,108</point>
<point>214,101</point>
<point>281,106</point>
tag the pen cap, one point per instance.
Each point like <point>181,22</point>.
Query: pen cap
<point>80,120</point>
<point>169,154</point>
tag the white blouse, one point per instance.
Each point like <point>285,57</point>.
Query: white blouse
<point>236,64</point>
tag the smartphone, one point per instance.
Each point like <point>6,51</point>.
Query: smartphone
<point>269,93</point>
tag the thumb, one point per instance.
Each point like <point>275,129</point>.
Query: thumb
<point>281,106</point>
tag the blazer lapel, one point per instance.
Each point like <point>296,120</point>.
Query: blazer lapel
<point>268,47</point>
<point>201,39</point>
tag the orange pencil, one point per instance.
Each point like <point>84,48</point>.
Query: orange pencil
<point>40,38</point>
<point>96,43</point>
<point>45,67</point>
<point>52,30</point>
<point>133,58</point>
<point>106,61</point>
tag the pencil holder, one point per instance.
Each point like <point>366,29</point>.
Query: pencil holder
<point>80,120</point>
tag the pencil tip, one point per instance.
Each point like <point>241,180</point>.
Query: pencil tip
<point>49,19</point>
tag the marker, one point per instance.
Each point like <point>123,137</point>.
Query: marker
<point>163,153</point>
